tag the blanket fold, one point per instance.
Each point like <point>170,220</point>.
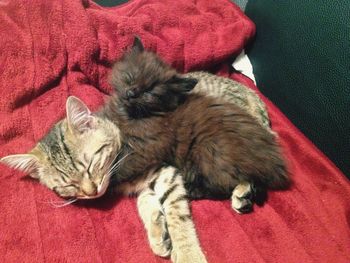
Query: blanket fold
<point>53,49</point>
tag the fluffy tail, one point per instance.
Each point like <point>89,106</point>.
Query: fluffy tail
<point>266,168</point>
<point>278,179</point>
<point>273,174</point>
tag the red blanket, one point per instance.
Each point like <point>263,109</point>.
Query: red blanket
<point>52,49</point>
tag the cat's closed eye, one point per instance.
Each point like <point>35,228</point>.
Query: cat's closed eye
<point>88,165</point>
<point>128,78</point>
<point>148,96</point>
<point>131,94</point>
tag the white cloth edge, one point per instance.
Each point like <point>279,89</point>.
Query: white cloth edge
<point>243,65</point>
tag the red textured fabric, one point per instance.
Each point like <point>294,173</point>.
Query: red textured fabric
<point>52,49</point>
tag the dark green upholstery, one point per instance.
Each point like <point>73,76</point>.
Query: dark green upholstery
<point>110,2</point>
<point>301,59</point>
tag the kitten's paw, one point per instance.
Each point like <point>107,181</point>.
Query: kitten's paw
<point>158,235</point>
<point>188,255</point>
<point>242,198</point>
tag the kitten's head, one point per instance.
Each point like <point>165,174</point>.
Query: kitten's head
<point>146,84</point>
<point>74,158</point>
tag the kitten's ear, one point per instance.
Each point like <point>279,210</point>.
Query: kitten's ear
<point>137,46</point>
<point>79,116</point>
<point>27,163</point>
<point>181,85</point>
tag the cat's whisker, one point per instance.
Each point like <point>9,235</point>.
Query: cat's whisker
<point>52,201</point>
<point>112,169</point>
<point>110,173</point>
<point>115,168</point>
<point>117,164</point>
<point>111,163</point>
<point>59,204</point>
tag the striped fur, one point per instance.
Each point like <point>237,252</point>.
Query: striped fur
<point>233,92</point>
<point>67,160</point>
<point>166,214</point>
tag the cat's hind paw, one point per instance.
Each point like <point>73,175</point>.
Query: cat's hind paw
<point>242,198</point>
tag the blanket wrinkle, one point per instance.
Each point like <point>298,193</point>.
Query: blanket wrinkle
<point>38,226</point>
<point>53,49</point>
<point>93,227</point>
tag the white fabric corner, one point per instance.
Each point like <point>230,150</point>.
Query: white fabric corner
<point>243,65</point>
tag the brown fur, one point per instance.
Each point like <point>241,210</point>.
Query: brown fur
<point>215,145</point>
<point>146,85</point>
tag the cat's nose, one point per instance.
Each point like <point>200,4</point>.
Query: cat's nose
<point>130,94</point>
<point>88,189</point>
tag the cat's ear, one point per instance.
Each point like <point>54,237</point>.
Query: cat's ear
<point>27,163</point>
<point>137,46</point>
<point>79,116</point>
<point>181,85</point>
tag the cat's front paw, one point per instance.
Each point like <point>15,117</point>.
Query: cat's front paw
<point>158,235</point>
<point>188,255</point>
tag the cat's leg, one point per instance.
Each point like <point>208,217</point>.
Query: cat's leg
<point>151,213</point>
<point>172,195</point>
<point>242,198</point>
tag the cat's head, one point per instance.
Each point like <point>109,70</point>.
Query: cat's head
<point>146,84</point>
<point>74,158</point>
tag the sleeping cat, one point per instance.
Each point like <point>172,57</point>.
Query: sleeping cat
<point>215,147</point>
<point>144,96</point>
<point>215,144</point>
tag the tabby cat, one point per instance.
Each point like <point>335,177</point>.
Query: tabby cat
<point>162,142</point>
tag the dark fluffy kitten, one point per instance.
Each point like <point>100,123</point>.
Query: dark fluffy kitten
<point>215,145</point>
<point>146,85</point>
